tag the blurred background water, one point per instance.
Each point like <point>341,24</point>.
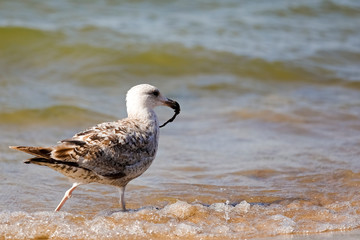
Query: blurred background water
<point>268,140</point>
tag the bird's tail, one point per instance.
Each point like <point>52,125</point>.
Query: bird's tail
<point>41,161</point>
<point>42,156</point>
<point>40,152</point>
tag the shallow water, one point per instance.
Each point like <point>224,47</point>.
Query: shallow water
<point>267,143</point>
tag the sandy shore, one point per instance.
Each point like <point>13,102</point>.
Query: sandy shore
<point>346,235</point>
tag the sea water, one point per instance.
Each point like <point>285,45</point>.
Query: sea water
<point>267,142</point>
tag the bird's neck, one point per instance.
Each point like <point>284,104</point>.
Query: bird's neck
<point>145,115</point>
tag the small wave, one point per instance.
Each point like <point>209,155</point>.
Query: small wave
<point>21,33</point>
<point>19,39</point>
<point>186,220</point>
<point>325,7</point>
<point>237,31</point>
<point>54,115</point>
<point>61,58</point>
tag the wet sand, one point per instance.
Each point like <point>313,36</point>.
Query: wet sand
<point>348,235</point>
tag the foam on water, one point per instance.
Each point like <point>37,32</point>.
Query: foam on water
<point>190,220</point>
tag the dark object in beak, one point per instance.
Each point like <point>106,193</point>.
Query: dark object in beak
<point>174,105</point>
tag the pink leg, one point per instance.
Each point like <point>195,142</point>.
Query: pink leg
<point>66,196</point>
<point>122,198</point>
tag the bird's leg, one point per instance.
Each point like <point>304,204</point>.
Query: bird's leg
<point>122,198</point>
<point>66,196</point>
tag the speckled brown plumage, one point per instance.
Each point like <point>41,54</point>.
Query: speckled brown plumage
<point>111,153</point>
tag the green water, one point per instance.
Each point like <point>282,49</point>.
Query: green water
<point>270,99</point>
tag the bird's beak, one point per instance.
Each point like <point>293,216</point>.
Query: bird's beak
<point>173,104</point>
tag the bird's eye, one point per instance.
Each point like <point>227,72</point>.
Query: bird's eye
<point>155,93</point>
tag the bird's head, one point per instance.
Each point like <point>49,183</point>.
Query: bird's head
<point>145,97</point>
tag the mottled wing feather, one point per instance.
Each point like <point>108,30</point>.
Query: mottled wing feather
<point>107,148</point>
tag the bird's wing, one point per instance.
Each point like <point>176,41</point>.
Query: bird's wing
<point>107,148</point>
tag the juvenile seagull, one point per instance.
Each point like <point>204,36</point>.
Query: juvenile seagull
<point>111,153</point>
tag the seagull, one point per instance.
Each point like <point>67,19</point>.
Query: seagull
<point>112,153</point>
